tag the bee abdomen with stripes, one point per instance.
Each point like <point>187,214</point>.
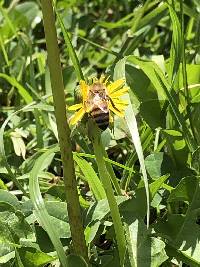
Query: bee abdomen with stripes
<point>101,118</point>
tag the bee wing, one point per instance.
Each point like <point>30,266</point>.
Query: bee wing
<point>103,106</point>
<point>104,109</point>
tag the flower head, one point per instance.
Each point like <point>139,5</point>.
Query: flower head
<point>101,94</point>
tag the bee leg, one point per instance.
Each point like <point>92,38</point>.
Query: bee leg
<point>111,123</point>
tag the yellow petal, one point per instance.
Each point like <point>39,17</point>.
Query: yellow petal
<point>94,80</point>
<point>117,112</point>
<point>115,85</point>
<point>106,80</point>
<point>120,107</point>
<point>88,108</point>
<point>111,119</point>
<point>119,93</point>
<point>75,107</point>
<point>84,89</point>
<point>77,116</point>
<point>102,78</point>
<point>120,101</point>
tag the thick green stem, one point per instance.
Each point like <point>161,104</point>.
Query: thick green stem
<point>95,136</point>
<point>73,206</point>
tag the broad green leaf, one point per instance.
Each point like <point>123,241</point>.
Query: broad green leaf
<point>177,230</point>
<point>150,100</point>
<point>153,164</point>
<point>185,190</point>
<point>31,257</point>
<point>182,230</point>
<point>135,207</point>
<point>155,74</point>
<point>7,257</point>
<point>58,191</point>
<point>7,243</point>
<point>43,241</point>
<point>111,260</point>
<point>74,260</point>
<point>99,210</point>
<point>91,231</point>
<point>14,231</point>
<point>151,112</point>
<point>26,13</point>
<point>156,196</point>
<point>58,216</point>
<point>144,250</point>
<point>7,197</point>
<point>157,184</point>
<point>193,79</point>
<point>17,224</point>
<point>180,150</point>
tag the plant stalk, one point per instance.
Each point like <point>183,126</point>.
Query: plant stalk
<point>74,213</point>
<point>95,136</point>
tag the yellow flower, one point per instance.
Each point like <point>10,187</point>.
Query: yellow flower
<point>113,93</point>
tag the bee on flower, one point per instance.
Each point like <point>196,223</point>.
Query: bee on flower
<point>100,100</point>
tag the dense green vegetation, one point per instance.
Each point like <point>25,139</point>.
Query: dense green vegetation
<point>136,198</point>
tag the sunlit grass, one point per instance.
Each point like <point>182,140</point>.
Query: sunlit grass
<point>73,194</point>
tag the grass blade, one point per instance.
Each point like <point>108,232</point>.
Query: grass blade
<point>92,178</point>
<point>132,125</point>
<point>41,212</point>
<point>184,71</point>
<point>70,47</point>
<point>119,72</point>
<point>176,45</point>
<point>22,91</point>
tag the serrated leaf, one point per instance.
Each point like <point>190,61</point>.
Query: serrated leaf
<point>182,230</point>
<point>153,164</point>
<point>144,250</point>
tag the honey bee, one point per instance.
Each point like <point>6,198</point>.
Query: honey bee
<point>100,100</point>
<point>97,102</point>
